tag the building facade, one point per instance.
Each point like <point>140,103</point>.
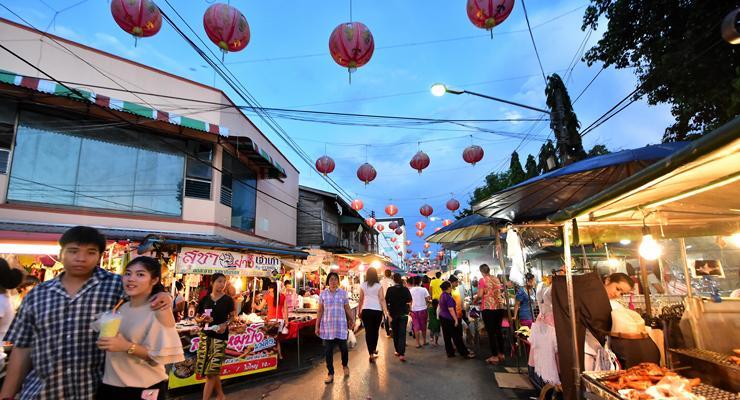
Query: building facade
<point>87,137</point>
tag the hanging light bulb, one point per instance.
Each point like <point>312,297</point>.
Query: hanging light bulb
<point>649,248</point>
<point>625,242</point>
<point>735,238</point>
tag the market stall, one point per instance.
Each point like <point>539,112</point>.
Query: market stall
<point>686,199</point>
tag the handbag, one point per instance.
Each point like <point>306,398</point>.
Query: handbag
<point>351,339</point>
<point>606,360</point>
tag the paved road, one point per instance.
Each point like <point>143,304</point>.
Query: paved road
<point>427,374</point>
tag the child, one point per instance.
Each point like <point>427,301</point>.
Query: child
<point>433,322</point>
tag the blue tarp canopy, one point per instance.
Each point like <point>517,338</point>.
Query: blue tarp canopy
<point>538,197</point>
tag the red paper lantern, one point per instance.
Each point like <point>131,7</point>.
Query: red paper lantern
<point>400,254</point>
<point>409,251</point>
<point>393,225</point>
<point>351,45</point>
<point>426,245</point>
<point>426,210</point>
<point>399,231</point>
<point>419,161</point>
<point>357,204</point>
<point>393,239</point>
<point>452,205</point>
<point>226,27</point>
<point>419,233</point>
<point>408,243</point>
<point>380,228</point>
<point>446,222</point>
<point>140,18</point>
<point>486,14</point>
<point>325,165</point>
<point>396,247</point>
<point>421,225</point>
<point>391,210</point>
<point>366,173</point>
<point>370,221</point>
<point>472,154</point>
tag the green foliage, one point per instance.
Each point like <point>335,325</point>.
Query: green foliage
<point>495,182</point>
<point>531,167</point>
<point>569,143</point>
<point>598,150</point>
<point>516,173</point>
<point>678,56</point>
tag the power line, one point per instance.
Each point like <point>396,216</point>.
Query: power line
<point>589,84</point>
<point>537,53</point>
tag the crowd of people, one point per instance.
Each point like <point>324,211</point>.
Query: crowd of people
<point>427,306</point>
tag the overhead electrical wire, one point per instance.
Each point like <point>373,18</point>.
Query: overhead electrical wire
<point>534,44</point>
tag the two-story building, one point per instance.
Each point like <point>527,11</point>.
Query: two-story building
<point>91,138</point>
<point>327,221</point>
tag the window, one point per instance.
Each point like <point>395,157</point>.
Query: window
<point>199,171</point>
<point>71,163</point>
<point>239,191</point>
<point>7,122</point>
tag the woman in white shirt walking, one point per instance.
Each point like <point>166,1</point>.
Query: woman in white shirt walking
<point>371,306</point>
<point>146,339</point>
<point>419,299</point>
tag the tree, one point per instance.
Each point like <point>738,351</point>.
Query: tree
<point>516,173</point>
<point>678,55</point>
<point>547,151</point>
<point>495,182</point>
<point>598,150</point>
<point>569,145</point>
<point>531,167</point>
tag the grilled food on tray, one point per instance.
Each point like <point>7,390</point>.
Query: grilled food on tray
<point>649,381</point>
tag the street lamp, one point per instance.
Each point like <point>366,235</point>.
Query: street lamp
<point>439,89</point>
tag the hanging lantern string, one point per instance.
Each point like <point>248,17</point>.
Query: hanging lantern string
<point>350,11</point>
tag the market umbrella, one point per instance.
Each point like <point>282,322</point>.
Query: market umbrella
<point>465,229</point>
<point>538,197</point>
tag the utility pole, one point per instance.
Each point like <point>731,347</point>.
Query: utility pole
<point>557,117</point>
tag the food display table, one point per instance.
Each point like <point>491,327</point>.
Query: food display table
<point>294,328</point>
<point>594,383</point>
<point>711,367</point>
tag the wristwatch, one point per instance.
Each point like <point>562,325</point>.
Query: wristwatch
<point>131,349</point>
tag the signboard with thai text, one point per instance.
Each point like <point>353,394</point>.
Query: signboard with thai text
<point>193,260</point>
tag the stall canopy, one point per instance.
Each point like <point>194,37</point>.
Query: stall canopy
<point>465,229</point>
<point>536,198</point>
<point>693,192</point>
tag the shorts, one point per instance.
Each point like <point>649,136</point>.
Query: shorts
<point>419,320</point>
<point>211,354</point>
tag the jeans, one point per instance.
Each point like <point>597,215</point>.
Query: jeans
<point>492,320</point>
<point>329,353</point>
<point>452,334</point>
<point>371,319</point>
<point>399,333</point>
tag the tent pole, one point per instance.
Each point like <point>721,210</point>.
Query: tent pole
<point>645,285</point>
<point>685,262</point>
<point>571,306</point>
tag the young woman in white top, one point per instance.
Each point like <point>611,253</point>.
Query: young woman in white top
<point>371,306</point>
<point>419,299</point>
<point>146,340</point>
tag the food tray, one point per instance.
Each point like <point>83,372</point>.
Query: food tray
<point>710,356</point>
<point>592,382</point>
<point>711,367</point>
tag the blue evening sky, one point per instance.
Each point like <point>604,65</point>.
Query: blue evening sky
<point>418,43</point>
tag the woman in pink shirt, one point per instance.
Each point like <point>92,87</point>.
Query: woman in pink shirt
<point>493,312</point>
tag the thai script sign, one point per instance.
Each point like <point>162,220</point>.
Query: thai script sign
<point>192,260</point>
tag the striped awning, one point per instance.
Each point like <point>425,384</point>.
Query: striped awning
<point>261,157</point>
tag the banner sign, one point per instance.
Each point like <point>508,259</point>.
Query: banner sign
<point>192,260</point>
<point>249,350</point>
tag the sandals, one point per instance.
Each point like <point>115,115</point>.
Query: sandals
<point>470,355</point>
<point>329,379</point>
<point>346,372</point>
<point>418,346</point>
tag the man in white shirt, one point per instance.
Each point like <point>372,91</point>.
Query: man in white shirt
<point>386,282</point>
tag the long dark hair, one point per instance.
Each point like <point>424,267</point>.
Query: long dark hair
<point>329,277</point>
<point>154,268</point>
<point>276,298</point>
<point>371,276</point>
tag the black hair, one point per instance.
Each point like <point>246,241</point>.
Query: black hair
<point>425,279</point>
<point>329,277</point>
<point>10,278</point>
<point>83,235</point>
<point>528,276</point>
<point>301,292</point>
<point>435,302</point>
<point>154,268</point>
<point>371,276</point>
<point>438,274</point>
<point>484,269</point>
<point>387,273</point>
<point>445,285</point>
<point>452,279</point>
<point>287,282</point>
<point>618,277</point>
<point>397,278</point>
<point>179,286</point>
<point>213,279</point>
<point>275,296</point>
